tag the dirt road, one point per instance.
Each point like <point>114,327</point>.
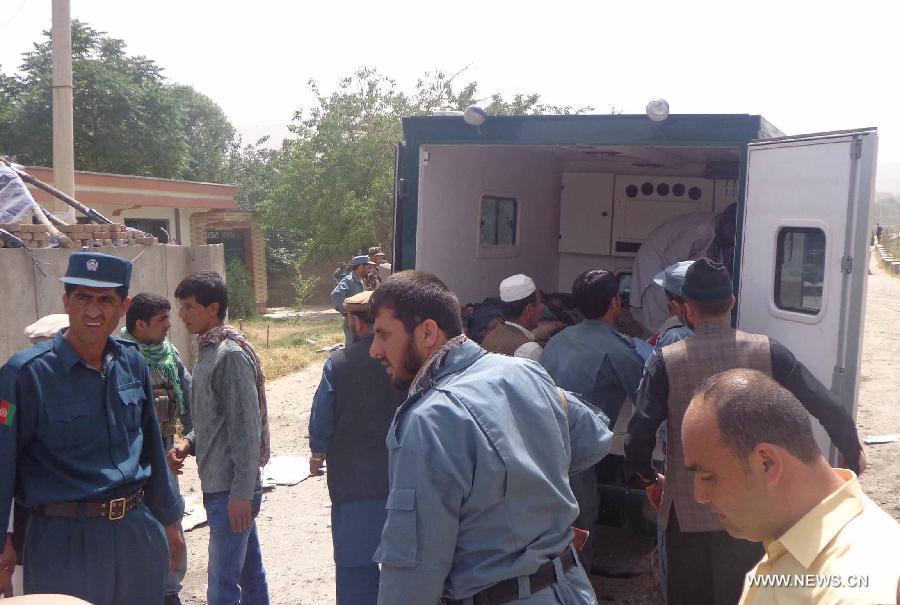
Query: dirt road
<point>294,523</point>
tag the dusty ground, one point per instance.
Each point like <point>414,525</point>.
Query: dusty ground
<point>294,523</point>
<point>879,392</point>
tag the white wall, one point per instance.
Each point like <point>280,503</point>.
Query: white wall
<point>451,185</point>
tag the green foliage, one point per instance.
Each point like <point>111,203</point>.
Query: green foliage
<point>209,135</point>
<point>127,118</point>
<point>241,298</point>
<point>333,181</point>
<point>305,287</point>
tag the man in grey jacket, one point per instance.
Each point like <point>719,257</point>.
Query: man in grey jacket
<point>230,439</point>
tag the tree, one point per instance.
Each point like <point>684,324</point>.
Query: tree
<point>127,118</point>
<point>209,135</point>
<point>333,186</point>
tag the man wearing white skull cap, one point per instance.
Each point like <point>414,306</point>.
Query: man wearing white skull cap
<point>520,303</point>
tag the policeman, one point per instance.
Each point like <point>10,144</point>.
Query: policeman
<point>675,328</point>
<point>81,447</point>
<point>352,283</point>
<point>480,507</point>
<point>351,412</point>
<point>595,360</point>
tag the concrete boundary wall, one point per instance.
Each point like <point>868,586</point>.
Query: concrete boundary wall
<point>26,295</point>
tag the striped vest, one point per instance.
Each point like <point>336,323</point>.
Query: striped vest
<point>714,347</point>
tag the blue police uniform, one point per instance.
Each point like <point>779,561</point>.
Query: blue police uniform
<point>346,288</point>
<point>355,525</point>
<point>351,412</point>
<point>596,361</point>
<point>74,436</point>
<point>81,434</point>
<point>479,490</point>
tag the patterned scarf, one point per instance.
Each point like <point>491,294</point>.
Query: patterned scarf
<point>425,376</point>
<point>213,338</point>
<point>163,363</point>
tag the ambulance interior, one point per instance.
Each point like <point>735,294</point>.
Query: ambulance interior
<point>487,212</point>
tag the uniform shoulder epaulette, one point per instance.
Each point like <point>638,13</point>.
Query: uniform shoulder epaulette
<point>124,341</point>
<point>20,359</point>
<point>628,340</point>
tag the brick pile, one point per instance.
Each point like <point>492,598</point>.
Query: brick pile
<point>36,236</point>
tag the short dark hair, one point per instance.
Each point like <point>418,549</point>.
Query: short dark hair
<point>144,307</point>
<point>207,287</point>
<point>673,297</point>
<point>416,296</point>
<point>593,291</point>
<point>365,316</point>
<point>512,310</point>
<point>707,308</point>
<point>121,291</point>
<point>751,408</point>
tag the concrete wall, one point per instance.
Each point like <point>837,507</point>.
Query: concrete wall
<point>28,295</point>
<point>451,186</point>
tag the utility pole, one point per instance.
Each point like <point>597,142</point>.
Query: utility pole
<point>63,130</point>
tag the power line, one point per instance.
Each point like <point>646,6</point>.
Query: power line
<point>14,15</point>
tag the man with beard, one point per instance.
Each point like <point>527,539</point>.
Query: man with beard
<point>479,507</point>
<point>147,325</point>
<point>351,412</point>
<point>81,447</point>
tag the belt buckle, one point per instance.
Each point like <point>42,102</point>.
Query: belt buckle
<point>116,509</point>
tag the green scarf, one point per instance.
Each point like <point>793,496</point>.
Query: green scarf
<point>162,358</point>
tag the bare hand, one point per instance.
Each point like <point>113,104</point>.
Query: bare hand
<point>7,567</point>
<point>177,455</point>
<point>240,515</point>
<point>863,463</point>
<point>315,466</point>
<point>654,492</point>
<point>176,544</point>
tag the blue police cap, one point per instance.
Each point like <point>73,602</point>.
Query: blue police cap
<point>97,270</point>
<point>672,277</point>
<point>362,259</point>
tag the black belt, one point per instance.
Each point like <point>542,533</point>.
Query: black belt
<point>113,510</point>
<point>507,591</point>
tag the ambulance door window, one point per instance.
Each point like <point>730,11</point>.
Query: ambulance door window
<point>800,269</point>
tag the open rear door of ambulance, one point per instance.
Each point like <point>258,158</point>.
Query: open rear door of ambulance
<point>804,254</point>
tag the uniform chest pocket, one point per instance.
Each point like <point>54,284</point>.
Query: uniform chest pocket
<point>133,399</point>
<point>68,425</point>
<point>399,541</point>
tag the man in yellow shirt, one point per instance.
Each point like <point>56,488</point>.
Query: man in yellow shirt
<point>750,445</point>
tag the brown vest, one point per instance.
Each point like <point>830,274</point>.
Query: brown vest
<point>713,348</point>
<point>504,339</point>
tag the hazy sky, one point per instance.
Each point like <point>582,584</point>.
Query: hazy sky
<point>805,66</point>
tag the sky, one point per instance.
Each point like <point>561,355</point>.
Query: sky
<point>805,66</point>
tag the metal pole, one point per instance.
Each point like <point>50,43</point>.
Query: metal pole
<point>63,130</point>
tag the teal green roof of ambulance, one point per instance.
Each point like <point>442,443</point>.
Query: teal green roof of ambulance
<point>689,130</point>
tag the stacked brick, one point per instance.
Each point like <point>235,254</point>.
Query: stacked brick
<point>36,236</point>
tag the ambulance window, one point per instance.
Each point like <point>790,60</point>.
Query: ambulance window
<point>800,269</point>
<point>498,221</point>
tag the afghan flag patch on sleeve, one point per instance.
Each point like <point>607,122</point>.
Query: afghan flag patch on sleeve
<point>7,413</point>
